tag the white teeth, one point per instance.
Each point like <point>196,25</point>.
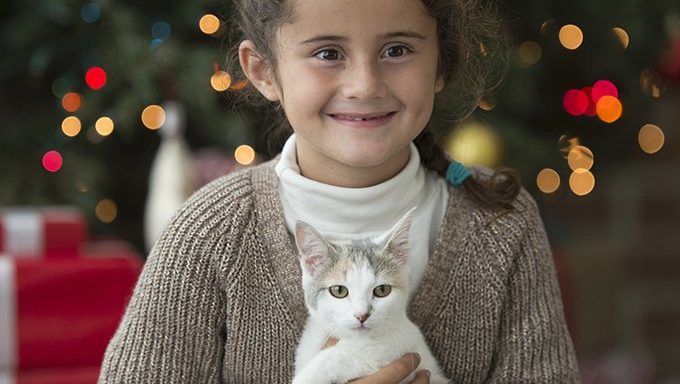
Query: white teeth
<point>358,118</point>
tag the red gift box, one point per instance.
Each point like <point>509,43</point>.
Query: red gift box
<point>80,375</point>
<point>44,232</point>
<point>60,313</point>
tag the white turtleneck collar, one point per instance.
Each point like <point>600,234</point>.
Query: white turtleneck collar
<point>342,214</point>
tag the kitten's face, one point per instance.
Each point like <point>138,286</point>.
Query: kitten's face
<point>356,287</point>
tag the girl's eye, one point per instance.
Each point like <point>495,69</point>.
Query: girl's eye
<point>338,291</point>
<point>397,51</point>
<point>328,54</point>
<point>382,290</point>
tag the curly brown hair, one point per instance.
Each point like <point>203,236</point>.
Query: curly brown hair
<point>474,49</point>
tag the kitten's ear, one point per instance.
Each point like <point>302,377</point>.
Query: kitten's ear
<point>312,247</point>
<point>397,246</point>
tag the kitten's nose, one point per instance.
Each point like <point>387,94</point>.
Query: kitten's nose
<point>362,317</point>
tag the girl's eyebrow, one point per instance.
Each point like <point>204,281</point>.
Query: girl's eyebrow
<point>384,36</point>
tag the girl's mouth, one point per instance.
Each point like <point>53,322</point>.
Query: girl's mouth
<point>363,122</point>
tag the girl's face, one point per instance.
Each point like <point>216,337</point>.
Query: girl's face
<point>341,60</point>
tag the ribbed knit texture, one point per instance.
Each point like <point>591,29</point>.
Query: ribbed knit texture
<point>220,298</point>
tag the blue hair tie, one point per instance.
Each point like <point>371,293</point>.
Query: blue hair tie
<point>457,173</point>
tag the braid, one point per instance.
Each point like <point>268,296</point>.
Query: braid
<point>431,153</point>
<point>498,190</point>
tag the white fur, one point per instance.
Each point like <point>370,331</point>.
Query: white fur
<point>387,335</point>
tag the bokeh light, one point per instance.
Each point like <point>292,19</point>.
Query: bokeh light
<point>71,126</point>
<point>90,12</point>
<point>622,35</point>
<point>95,77</point>
<point>548,181</point>
<point>487,104</point>
<point>244,154</point>
<point>220,81</point>
<point>580,157</point>
<point>581,182</point>
<point>52,161</point>
<point>651,138</point>
<point>604,88</point>
<point>575,102</point>
<point>609,109</point>
<point>155,43</point>
<point>239,85</point>
<point>71,101</point>
<point>153,116</point>
<point>209,24</point>
<point>651,83</point>
<point>566,143</point>
<point>104,126</point>
<point>62,86</point>
<point>106,211</point>
<point>590,109</point>
<point>571,36</point>
<point>475,143</point>
<point>546,25</point>
<point>161,30</point>
<point>529,53</point>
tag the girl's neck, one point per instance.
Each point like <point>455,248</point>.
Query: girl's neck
<point>324,170</point>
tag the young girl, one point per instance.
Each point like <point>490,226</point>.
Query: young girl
<point>220,297</point>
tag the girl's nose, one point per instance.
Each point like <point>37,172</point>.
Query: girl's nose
<point>364,81</point>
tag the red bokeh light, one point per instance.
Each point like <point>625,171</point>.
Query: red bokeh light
<point>590,110</point>
<point>95,77</point>
<point>604,88</point>
<point>575,102</point>
<point>52,161</point>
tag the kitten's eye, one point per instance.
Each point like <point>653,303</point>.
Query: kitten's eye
<point>338,291</point>
<point>382,290</point>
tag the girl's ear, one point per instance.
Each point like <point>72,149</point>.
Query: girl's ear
<point>439,84</point>
<point>257,70</point>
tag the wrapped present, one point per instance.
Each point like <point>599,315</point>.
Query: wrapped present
<point>57,313</point>
<point>79,375</point>
<point>45,232</point>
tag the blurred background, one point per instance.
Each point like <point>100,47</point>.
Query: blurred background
<point>113,112</point>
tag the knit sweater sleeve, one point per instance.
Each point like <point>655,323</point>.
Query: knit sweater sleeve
<point>173,330</point>
<point>534,345</point>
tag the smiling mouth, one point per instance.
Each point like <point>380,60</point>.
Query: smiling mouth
<point>358,118</point>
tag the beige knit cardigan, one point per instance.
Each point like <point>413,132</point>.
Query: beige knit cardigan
<point>220,298</point>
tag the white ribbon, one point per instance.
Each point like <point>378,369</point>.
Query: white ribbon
<point>8,310</point>
<point>24,233</point>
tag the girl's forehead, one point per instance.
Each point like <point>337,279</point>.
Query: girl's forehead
<point>356,19</point>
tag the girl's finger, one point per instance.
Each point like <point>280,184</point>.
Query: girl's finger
<point>395,372</point>
<point>422,377</point>
<point>330,342</point>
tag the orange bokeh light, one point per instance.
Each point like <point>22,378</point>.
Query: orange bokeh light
<point>571,36</point>
<point>548,180</point>
<point>609,109</point>
<point>239,85</point>
<point>244,154</point>
<point>153,116</point>
<point>71,101</point>
<point>209,24</point>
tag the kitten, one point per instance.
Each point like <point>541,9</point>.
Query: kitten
<point>356,293</point>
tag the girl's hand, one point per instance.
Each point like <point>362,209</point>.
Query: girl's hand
<point>393,373</point>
